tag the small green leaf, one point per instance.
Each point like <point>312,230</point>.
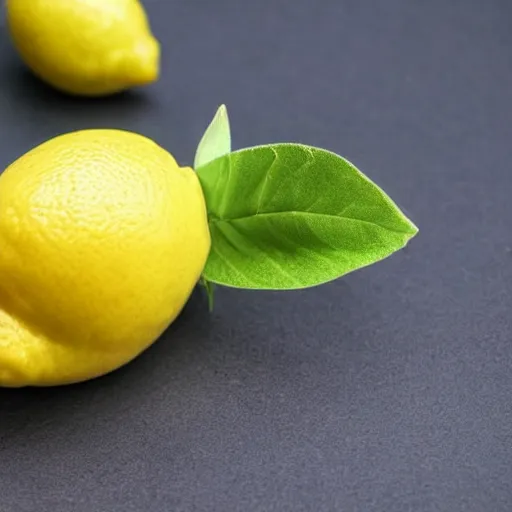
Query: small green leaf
<point>287,216</point>
<point>216,141</point>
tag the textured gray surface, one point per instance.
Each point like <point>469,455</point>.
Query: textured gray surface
<point>389,390</point>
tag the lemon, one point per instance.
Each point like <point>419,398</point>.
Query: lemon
<point>85,47</point>
<point>103,237</point>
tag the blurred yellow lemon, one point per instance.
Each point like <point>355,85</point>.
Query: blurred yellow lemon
<point>103,237</point>
<point>85,47</point>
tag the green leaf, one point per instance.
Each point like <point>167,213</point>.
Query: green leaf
<point>216,141</point>
<point>287,216</point>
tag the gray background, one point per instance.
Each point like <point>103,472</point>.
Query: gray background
<point>386,391</point>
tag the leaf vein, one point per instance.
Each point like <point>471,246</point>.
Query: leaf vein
<point>266,179</point>
<point>290,176</point>
<point>224,203</point>
<point>226,261</point>
<point>294,212</point>
<point>318,254</point>
<point>269,258</point>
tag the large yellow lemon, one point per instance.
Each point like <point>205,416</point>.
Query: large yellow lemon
<point>85,47</point>
<point>102,239</point>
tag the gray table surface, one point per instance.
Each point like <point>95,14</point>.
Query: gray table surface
<point>389,390</point>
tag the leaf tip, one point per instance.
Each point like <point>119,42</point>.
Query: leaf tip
<point>412,230</point>
<point>221,115</point>
<point>216,140</point>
